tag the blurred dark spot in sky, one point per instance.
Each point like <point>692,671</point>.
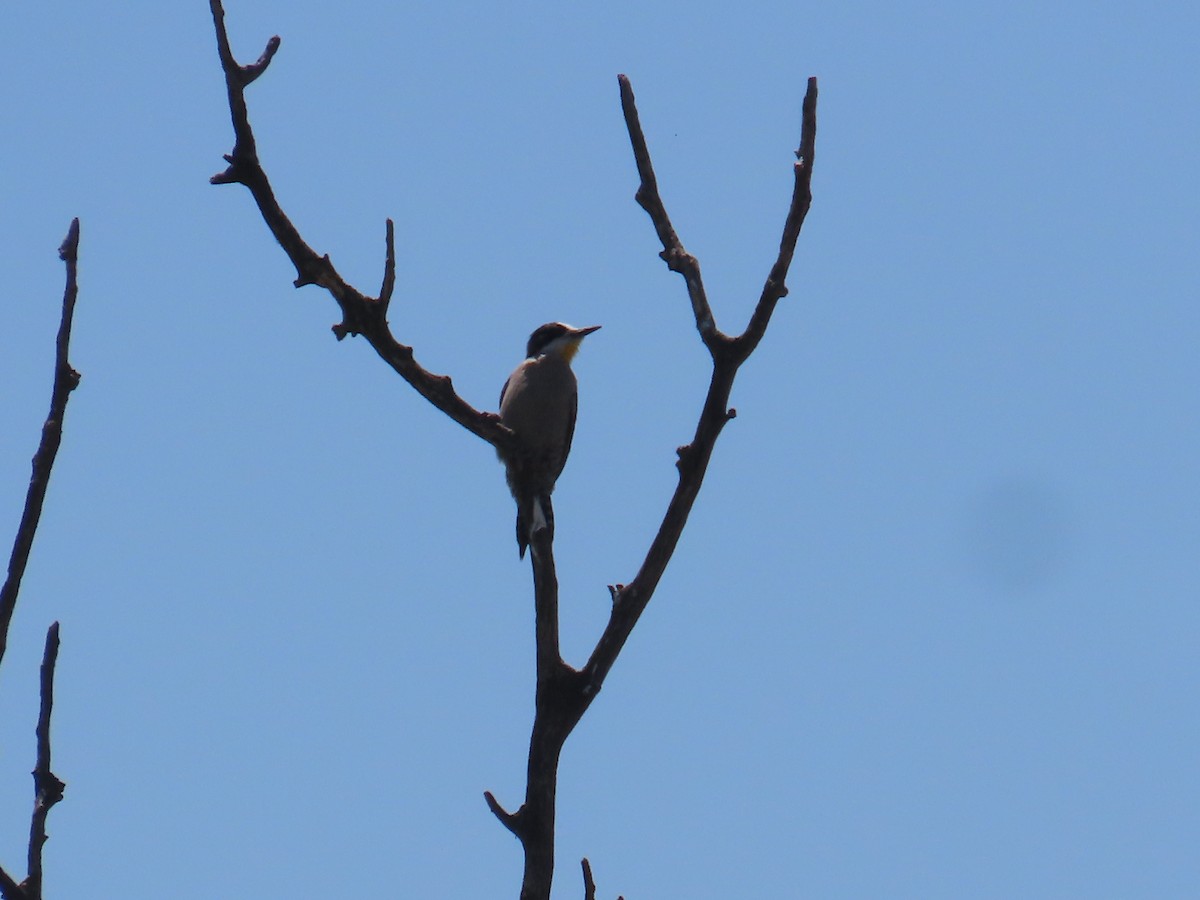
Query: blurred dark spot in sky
<point>1017,533</point>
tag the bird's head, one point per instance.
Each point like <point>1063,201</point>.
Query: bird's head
<point>555,337</point>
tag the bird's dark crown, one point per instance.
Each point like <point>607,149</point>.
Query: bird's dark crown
<point>544,337</point>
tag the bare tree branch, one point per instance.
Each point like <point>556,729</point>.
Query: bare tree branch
<point>361,315</point>
<point>589,885</point>
<point>48,789</point>
<point>775,289</point>
<point>559,701</point>
<point>563,693</point>
<point>728,355</point>
<point>9,889</point>
<point>65,381</point>
<point>673,254</point>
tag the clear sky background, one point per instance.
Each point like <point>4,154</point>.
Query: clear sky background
<point>932,630</point>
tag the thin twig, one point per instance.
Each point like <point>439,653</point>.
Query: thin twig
<point>589,885</point>
<point>511,821</point>
<point>65,380</point>
<point>389,267</point>
<point>673,254</point>
<point>48,789</point>
<point>775,288</point>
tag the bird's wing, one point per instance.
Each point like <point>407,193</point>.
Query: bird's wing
<point>519,375</point>
<point>569,435</point>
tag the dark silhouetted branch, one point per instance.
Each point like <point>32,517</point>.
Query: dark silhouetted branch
<point>775,288</point>
<point>728,354</point>
<point>361,315</point>
<point>9,889</point>
<point>65,381</point>
<point>48,789</point>
<point>559,701</point>
<point>589,885</point>
<point>673,254</point>
<point>564,693</point>
<point>389,267</point>
<point>511,821</point>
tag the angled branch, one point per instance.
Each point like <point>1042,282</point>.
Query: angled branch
<point>48,789</point>
<point>9,889</point>
<point>65,381</point>
<point>775,288</point>
<point>361,315</point>
<point>673,254</point>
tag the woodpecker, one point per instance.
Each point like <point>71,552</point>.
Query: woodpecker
<point>538,402</point>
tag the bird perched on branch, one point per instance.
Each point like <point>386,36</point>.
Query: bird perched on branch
<point>538,402</point>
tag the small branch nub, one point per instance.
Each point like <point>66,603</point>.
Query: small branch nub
<point>250,72</point>
<point>511,821</point>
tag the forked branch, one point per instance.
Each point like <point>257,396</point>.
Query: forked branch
<point>563,693</point>
<point>728,354</point>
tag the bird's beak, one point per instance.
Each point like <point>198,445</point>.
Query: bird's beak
<point>580,333</point>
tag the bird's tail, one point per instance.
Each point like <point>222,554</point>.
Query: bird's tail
<point>532,516</point>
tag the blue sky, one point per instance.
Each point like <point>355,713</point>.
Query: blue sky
<point>932,629</point>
